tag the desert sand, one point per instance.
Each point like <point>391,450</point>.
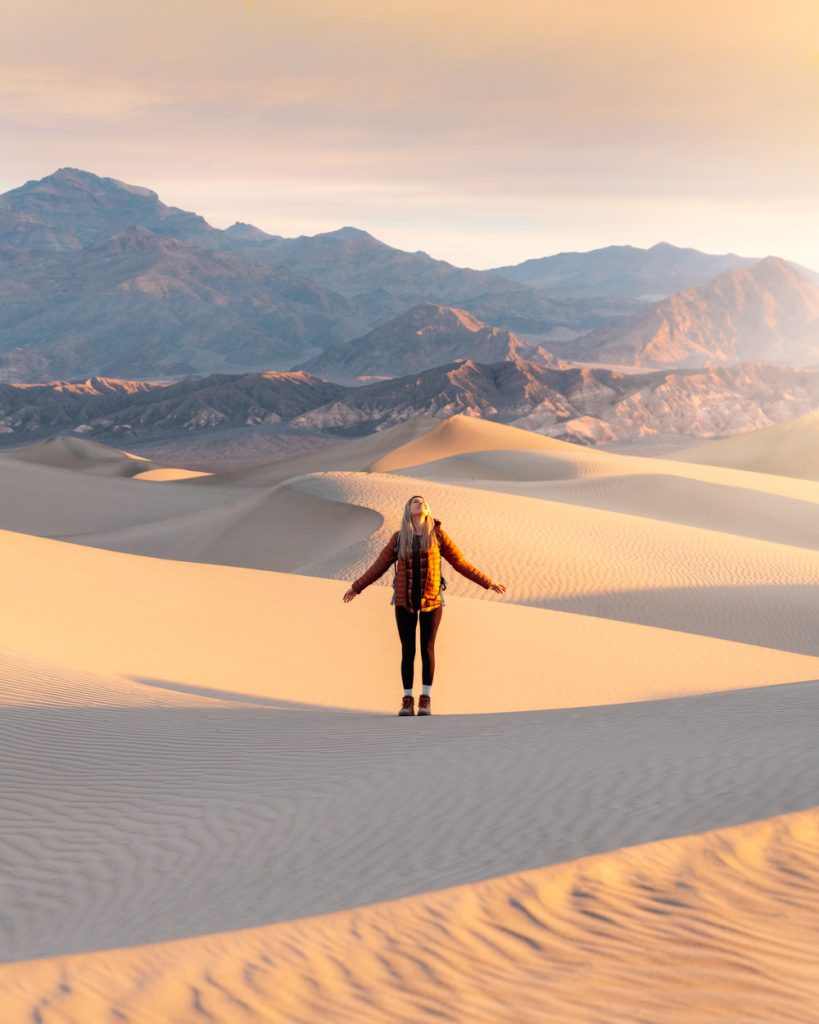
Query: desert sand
<point>210,810</point>
<point>788,449</point>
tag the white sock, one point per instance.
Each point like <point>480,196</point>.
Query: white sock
<point>407,693</point>
<point>426,690</point>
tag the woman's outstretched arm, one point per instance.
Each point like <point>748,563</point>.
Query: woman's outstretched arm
<point>375,571</point>
<point>452,554</point>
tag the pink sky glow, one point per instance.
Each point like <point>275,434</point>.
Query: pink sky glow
<point>482,133</point>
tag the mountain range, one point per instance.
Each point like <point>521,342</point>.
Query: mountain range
<point>341,333</point>
<point>624,271</point>
<point>583,404</point>
<point>101,277</point>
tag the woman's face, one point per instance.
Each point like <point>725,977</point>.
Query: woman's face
<point>418,507</point>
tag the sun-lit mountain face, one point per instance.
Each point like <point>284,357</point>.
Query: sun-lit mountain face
<point>768,311</point>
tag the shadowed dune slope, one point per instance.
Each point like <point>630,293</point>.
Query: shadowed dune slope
<point>270,528</point>
<point>60,501</point>
<point>674,931</point>
<point>349,455</point>
<point>787,449</point>
<point>81,455</point>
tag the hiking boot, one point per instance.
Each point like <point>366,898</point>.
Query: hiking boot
<point>407,707</point>
<point>423,705</point>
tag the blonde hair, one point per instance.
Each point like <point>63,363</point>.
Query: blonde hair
<point>407,530</point>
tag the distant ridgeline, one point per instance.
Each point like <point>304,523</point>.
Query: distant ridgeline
<point>586,405</point>
<point>104,281</point>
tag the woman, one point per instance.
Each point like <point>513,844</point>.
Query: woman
<point>416,549</point>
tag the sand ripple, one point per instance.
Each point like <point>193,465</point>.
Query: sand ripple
<point>129,824</point>
<point>698,930</point>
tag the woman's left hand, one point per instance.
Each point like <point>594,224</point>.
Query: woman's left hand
<point>499,588</point>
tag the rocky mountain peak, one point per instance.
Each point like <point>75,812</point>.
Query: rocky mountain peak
<point>767,312</point>
<point>346,239</point>
<point>72,178</point>
<point>72,208</point>
<point>247,232</point>
<point>423,336</point>
<point>349,232</point>
<point>429,316</point>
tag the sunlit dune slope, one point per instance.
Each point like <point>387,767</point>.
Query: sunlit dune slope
<point>724,504</point>
<point>787,449</point>
<point>288,637</point>
<point>60,501</point>
<point>468,435</point>
<point>725,556</point>
<point>168,473</point>
<point>672,931</point>
<point>602,563</point>
<point>476,452</point>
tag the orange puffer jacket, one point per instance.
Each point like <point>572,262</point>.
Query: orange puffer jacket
<point>430,570</point>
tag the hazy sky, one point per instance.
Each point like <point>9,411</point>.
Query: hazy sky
<point>482,132</point>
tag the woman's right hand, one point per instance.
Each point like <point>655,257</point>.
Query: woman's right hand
<point>349,595</point>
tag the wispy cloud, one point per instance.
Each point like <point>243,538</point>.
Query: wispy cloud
<point>645,102</point>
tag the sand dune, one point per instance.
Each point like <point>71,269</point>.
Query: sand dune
<point>726,507</point>
<point>271,528</point>
<point>59,501</point>
<point>481,453</point>
<point>359,454</point>
<point>601,563</point>
<point>426,439</point>
<point>723,557</point>
<point>787,449</point>
<point>674,931</point>
<point>80,454</point>
<point>197,751</point>
<point>85,456</point>
<point>462,435</point>
<point>161,820</point>
<point>503,464</point>
<point>274,528</point>
<point>288,637</point>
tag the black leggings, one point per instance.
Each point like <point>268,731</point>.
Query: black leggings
<point>407,622</point>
